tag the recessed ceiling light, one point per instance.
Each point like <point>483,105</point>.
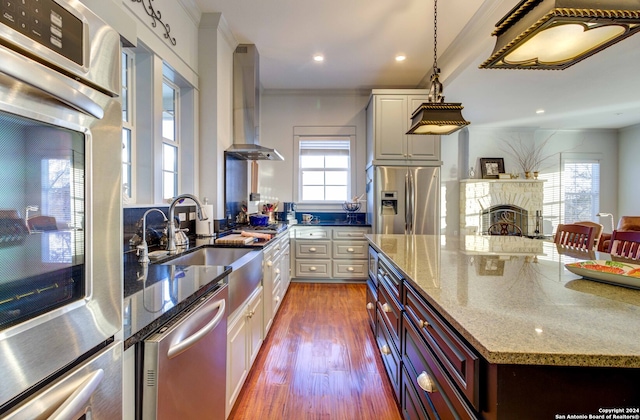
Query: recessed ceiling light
<point>539,111</point>
<point>401,57</point>
<point>318,57</point>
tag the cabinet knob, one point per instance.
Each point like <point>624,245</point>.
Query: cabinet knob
<point>278,248</point>
<point>277,271</point>
<point>350,250</point>
<point>385,350</point>
<point>269,263</point>
<point>370,306</point>
<point>350,269</point>
<point>312,268</point>
<point>425,382</point>
<point>312,249</point>
<point>423,324</point>
<point>386,308</point>
<point>277,298</point>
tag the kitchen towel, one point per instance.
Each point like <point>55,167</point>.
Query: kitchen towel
<point>205,227</point>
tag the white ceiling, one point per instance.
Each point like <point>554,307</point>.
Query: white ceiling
<point>360,38</point>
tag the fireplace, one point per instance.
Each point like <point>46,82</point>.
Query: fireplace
<point>502,215</point>
<point>487,201</point>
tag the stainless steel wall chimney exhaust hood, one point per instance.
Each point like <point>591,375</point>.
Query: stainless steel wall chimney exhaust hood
<point>246,107</point>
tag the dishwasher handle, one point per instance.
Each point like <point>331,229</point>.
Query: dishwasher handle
<point>184,345</point>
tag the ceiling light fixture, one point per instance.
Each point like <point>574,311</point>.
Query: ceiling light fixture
<point>436,117</point>
<point>401,57</point>
<point>318,57</point>
<point>555,34</point>
<point>539,111</point>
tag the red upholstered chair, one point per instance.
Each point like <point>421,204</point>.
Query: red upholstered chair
<point>625,244</point>
<point>576,236</point>
<point>626,223</point>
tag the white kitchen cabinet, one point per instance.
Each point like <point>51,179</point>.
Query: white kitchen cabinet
<point>389,118</point>
<point>329,253</point>
<point>272,279</point>
<point>244,339</point>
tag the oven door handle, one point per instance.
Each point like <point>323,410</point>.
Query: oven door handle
<point>183,345</point>
<point>38,76</point>
<point>78,399</point>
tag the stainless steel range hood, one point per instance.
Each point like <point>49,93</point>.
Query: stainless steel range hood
<point>246,107</point>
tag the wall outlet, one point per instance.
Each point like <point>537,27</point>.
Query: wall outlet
<point>182,217</point>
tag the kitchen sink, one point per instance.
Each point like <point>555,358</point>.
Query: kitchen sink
<point>245,263</point>
<point>211,256</point>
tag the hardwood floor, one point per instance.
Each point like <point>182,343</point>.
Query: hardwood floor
<point>319,361</point>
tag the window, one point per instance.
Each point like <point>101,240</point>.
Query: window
<point>170,144</point>
<point>572,193</point>
<point>581,190</point>
<point>324,161</point>
<point>127,125</point>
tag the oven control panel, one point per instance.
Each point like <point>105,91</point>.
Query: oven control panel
<point>48,24</point>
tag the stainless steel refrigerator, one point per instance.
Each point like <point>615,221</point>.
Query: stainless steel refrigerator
<point>405,199</point>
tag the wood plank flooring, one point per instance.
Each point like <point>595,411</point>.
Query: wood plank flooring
<point>319,361</point>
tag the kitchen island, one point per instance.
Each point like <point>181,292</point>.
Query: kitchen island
<point>541,340</point>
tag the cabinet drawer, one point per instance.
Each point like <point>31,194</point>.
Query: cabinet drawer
<point>390,312</point>
<point>412,406</point>
<point>350,249</point>
<point>389,276</point>
<point>350,269</point>
<point>433,386</point>
<point>373,265</point>
<point>313,249</point>
<point>372,298</point>
<point>318,268</point>
<point>390,356</point>
<point>312,233</point>
<point>276,297</point>
<point>458,360</point>
<point>349,233</point>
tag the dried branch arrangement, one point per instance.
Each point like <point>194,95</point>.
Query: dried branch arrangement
<point>529,154</point>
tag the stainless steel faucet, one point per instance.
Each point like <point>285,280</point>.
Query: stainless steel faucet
<point>143,249</point>
<point>171,229</point>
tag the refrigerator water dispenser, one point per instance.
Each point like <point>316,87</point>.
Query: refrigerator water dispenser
<point>389,203</point>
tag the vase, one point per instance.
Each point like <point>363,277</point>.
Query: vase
<point>528,175</point>
<point>535,175</point>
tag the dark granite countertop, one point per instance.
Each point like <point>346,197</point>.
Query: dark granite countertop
<point>154,293</point>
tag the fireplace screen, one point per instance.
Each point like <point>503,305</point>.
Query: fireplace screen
<point>504,220</point>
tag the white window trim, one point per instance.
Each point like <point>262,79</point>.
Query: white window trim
<point>130,125</point>
<point>323,133</point>
<point>174,143</point>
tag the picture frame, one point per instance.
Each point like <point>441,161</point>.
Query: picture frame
<point>491,266</point>
<point>491,168</point>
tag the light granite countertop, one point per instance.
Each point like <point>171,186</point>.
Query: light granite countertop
<point>514,301</point>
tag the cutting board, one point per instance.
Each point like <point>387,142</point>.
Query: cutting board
<point>235,239</point>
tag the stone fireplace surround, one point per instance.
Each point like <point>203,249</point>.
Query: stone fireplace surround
<point>477,195</point>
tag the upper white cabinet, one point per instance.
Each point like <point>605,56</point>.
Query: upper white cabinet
<point>388,119</point>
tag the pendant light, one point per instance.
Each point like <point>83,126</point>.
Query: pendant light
<point>556,34</point>
<point>436,117</point>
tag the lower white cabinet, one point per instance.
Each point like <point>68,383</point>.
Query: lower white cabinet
<point>245,333</point>
<point>276,278</point>
<point>330,253</point>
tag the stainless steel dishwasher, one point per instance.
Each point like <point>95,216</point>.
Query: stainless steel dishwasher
<point>185,363</point>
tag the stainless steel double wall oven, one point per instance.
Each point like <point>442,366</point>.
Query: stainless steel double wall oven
<point>60,212</point>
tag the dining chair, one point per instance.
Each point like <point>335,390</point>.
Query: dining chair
<point>577,236</point>
<point>625,244</point>
<point>42,223</point>
<point>505,229</point>
<point>597,230</point>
